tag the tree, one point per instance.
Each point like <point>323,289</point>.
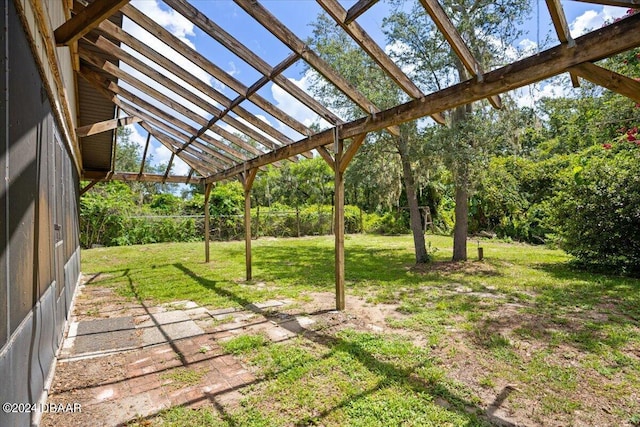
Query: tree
<point>338,49</point>
<point>487,28</point>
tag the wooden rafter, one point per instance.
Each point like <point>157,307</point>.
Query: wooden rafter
<point>168,83</point>
<point>149,177</point>
<point>202,62</point>
<point>86,20</point>
<point>123,37</point>
<point>286,36</point>
<point>609,79</point>
<point>358,9</point>
<point>457,43</point>
<point>105,126</point>
<point>562,30</point>
<point>233,45</point>
<point>339,14</point>
<point>633,4</point>
<point>607,41</point>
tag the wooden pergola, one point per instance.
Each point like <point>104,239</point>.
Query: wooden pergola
<point>214,153</point>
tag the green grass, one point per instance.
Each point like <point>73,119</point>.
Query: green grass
<point>183,377</point>
<point>521,317</point>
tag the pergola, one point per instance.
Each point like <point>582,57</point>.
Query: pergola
<point>96,38</point>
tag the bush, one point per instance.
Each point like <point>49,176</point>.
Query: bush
<point>597,213</point>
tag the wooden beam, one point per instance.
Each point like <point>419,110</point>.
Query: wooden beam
<point>207,226</point>
<point>135,177</point>
<point>350,153</point>
<point>286,36</point>
<point>144,154</point>
<point>358,9</point>
<point>247,182</point>
<point>562,30</point>
<point>123,56</point>
<point>456,42</point>
<point>339,226</point>
<point>326,155</point>
<point>105,126</point>
<point>633,4</point>
<point>88,186</point>
<point>123,37</point>
<point>609,79</point>
<point>86,20</point>
<point>202,62</point>
<point>233,45</point>
<point>604,42</point>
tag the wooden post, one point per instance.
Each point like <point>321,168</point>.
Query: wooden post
<point>207,227</point>
<point>339,225</point>
<point>247,182</point>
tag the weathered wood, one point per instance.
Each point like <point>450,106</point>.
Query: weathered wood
<point>562,30</point>
<point>207,225</point>
<point>123,37</point>
<point>286,36</point>
<point>456,42</point>
<point>633,4</point>
<point>228,41</point>
<point>144,154</point>
<point>123,56</point>
<point>89,186</point>
<point>86,20</point>
<point>202,62</point>
<point>247,182</point>
<point>358,9</point>
<point>326,155</point>
<point>105,126</point>
<point>607,41</point>
<point>339,226</point>
<point>609,79</point>
<point>135,177</point>
<point>351,151</point>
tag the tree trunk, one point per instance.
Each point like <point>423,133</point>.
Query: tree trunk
<point>462,223</point>
<point>414,211</point>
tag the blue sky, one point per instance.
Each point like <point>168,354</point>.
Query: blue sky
<point>297,15</point>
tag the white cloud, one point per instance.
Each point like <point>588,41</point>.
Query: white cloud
<point>161,154</point>
<point>177,24</point>
<point>592,19</point>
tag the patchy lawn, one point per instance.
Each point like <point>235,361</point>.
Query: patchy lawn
<point>519,338</point>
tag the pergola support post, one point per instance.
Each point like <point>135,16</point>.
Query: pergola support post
<point>339,225</point>
<point>207,223</point>
<point>247,182</point>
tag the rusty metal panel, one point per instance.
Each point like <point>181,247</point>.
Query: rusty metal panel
<point>4,128</point>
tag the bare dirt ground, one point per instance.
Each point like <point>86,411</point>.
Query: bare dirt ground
<point>134,384</point>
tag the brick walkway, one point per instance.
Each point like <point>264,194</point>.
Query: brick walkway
<point>130,367</point>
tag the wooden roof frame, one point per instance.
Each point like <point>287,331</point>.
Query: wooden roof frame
<point>215,153</point>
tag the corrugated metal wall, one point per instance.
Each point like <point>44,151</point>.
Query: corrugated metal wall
<point>39,253</point>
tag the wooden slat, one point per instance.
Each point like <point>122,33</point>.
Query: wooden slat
<point>147,177</point>
<point>123,56</point>
<point>144,154</point>
<point>338,13</point>
<point>562,30</point>
<point>286,36</point>
<point>227,40</point>
<point>338,227</point>
<point>609,79</point>
<point>166,63</point>
<point>105,126</point>
<point>605,42</point>
<point>358,9</point>
<point>456,42</point>
<point>207,233</point>
<point>202,62</point>
<point>86,20</point>
<point>633,4</point>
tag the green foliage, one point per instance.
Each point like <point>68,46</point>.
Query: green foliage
<point>597,214</point>
<point>227,199</point>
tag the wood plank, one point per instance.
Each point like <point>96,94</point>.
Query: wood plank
<point>562,30</point>
<point>105,126</point>
<point>157,178</point>
<point>350,153</point>
<point>609,79</point>
<point>326,155</point>
<point>633,4</point>
<point>155,75</point>
<point>247,182</point>
<point>207,227</point>
<point>86,20</point>
<point>358,9</point>
<point>202,62</point>
<point>286,36</point>
<point>227,40</point>
<point>166,63</point>
<point>339,226</point>
<point>459,46</point>
<point>144,154</point>
<point>604,42</point>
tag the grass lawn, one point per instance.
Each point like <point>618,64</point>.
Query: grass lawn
<point>519,336</point>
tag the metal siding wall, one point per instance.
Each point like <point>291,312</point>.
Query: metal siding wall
<point>35,193</point>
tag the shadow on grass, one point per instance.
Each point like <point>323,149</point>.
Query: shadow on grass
<point>390,373</point>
